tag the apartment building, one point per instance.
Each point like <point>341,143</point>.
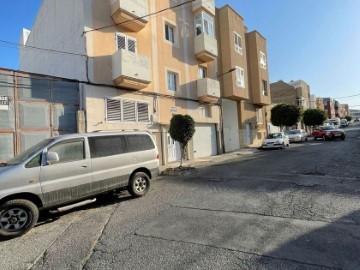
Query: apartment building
<point>320,103</point>
<point>341,110</point>
<point>135,71</point>
<point>329,107</point>
<point>244,80</point>
<point>294,92</point>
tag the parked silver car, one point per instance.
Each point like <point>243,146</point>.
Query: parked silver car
<point>297,135</point>
<point>70,168</point>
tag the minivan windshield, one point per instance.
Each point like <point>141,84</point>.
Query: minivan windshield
<point>28,153</point>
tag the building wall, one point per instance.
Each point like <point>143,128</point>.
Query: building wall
<point>38,107</point>
<point>249,98</point>
<point>256,44</point>
<point>228,22</point>
<point>58,27</point>
<point>282,92</point>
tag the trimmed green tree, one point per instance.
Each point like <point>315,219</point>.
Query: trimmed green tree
<point>285,115</point>
<point>348,118</point>
<point>314,117</point>
<point>182,129</point>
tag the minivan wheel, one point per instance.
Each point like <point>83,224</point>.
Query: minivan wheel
<point>139,184</point>
<point>17,217</point>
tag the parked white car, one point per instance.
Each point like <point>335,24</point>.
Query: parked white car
<point>297,135</point>
<point>276,140</point>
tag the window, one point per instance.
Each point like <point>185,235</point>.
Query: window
<point>125,43</point>
<point>204,24</point>
<point>201,72</point>
<point>262,60</point>
<point>35,162</point>
<point>259,116</point>
<point>237,43</point>
<point>107,146</point>
<point>240,77</point>
<point>104,146</point>
<point>264,88</point>
<point>139,143</point>
<point>169,33</point>
<point>171,79</point>
<point>69,151</point>
<point>122,110</point>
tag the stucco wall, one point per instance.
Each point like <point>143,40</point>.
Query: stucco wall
<point>58,27</point>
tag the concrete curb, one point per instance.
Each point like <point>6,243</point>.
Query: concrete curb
<point>191,166</point>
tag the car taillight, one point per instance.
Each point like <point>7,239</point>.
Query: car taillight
<point>158,156</point>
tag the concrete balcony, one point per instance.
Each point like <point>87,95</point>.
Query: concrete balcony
<point>204,5</point>
<point>129,13</point>
<point>131,70</point>
<point>205,48</point>
<point>208,90</point>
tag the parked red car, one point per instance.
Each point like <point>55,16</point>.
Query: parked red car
<point>328,133</point>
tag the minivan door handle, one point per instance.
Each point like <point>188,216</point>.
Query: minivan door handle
<point>84,166</point>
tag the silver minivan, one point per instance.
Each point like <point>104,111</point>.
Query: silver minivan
<point>70,168</point>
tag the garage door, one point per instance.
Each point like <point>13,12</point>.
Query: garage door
<point>204,141</point>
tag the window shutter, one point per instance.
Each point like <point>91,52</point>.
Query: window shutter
<point>129,111</point>
<point>113,110</point>
<point>143,112</point>
<point>131,45</point>
<point>121,42</point>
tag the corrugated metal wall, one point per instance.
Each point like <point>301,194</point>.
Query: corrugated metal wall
<point>39,107</point>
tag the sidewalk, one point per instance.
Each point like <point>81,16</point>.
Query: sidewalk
<point>203,162</point>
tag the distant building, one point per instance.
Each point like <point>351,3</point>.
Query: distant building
<point>341,110</point>
<point>320,103</point>
<point>329,107</point>
<point>355,114</point>
<point>294,92</point>
<point>312,102</point>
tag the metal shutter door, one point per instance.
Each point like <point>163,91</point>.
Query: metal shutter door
<point>205,141</point>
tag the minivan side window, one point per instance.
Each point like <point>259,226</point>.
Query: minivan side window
<point>104,146</point>
<point>69,151</point>
<point>35,162</point>
<point>139,143</point>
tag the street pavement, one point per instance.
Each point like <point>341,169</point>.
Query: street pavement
<point>296,208</point>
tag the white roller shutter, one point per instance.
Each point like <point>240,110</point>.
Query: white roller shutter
<point>204,140</point>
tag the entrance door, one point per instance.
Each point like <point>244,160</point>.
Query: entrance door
<point>174,152</point>
<point>248,134</point>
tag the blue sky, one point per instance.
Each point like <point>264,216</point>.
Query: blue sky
<point>314,40</point>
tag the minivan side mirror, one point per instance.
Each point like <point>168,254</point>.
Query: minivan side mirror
<point>52,157</point>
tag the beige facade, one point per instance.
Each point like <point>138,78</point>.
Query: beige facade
<point>243,75</point>
<point>137,71</point>
<point>153,48</point>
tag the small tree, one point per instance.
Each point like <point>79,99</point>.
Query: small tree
<point>285,115</point>
<point>348,118</point>
<point>314,117</point>
<point>182,129</point>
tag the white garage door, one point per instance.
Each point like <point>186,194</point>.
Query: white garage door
<point>204,141</point>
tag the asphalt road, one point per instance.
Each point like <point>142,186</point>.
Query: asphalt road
<point>296,208</point>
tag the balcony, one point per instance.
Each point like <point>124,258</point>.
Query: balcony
<point>129,13</point>
<point>204,5</point>
<point>208,90</point>
<point>205,48</point>
<point>131,70</point>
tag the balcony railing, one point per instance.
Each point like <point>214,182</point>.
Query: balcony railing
<point>205,5</point>
<point>208,90</point>
<point>205,48</point>
<point>131,70</point>
<point>130,13</point>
